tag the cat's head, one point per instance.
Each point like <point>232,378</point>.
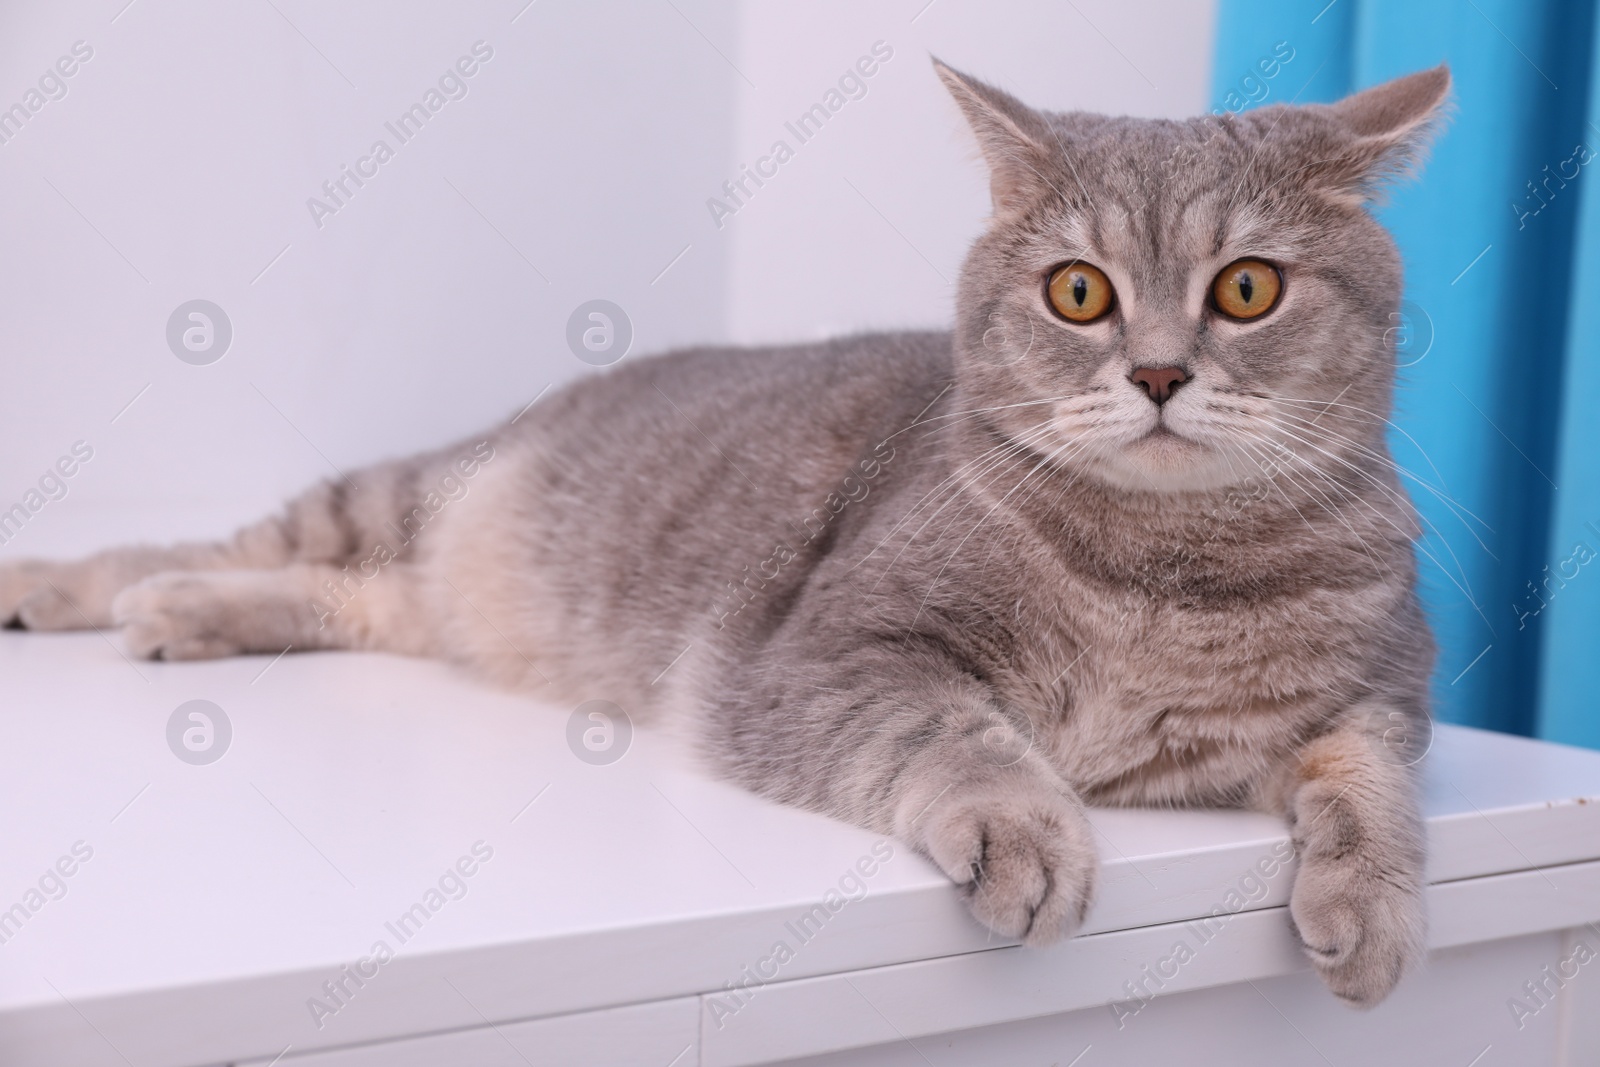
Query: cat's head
<point>1172,305</point>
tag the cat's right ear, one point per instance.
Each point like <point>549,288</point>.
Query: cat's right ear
<point>1011,135</point>
<point>1389,128</point>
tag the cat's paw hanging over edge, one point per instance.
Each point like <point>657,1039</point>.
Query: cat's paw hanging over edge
<point>1362,931</point>
<point>1023,855</point>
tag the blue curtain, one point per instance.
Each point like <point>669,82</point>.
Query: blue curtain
<point>1498,410</point>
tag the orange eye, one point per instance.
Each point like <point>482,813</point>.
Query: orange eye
<point>1080,293</point>
<point>1247,289</point>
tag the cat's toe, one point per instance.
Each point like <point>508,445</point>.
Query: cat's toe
<point>173,617</point>
<point>47,608</point>
<point>1025,861</point>
<point>18,582</point>
<point>1360,931</point>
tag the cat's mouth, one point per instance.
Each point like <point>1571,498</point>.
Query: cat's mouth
<point>1165,449</point>
<point>1163,433</point>
<point>1166,460</point>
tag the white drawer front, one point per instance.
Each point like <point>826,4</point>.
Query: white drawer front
<point>1006,985</point>
<point>660,1033</point>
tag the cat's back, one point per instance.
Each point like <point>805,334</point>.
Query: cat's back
<point>766,421</point>
<point>764,385</point>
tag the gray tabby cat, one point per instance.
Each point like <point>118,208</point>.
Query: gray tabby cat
<point>1129,535</point>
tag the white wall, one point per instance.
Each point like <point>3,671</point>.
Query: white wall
<point>179,162</point>
<point>812,256</point>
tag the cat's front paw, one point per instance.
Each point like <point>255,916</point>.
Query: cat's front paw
<point>1023,855</point>
<point>1360,926</point>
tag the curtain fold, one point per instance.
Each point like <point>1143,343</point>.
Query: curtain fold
<point>1499,340</point>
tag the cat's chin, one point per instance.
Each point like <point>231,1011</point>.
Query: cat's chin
<point>1164,462</point>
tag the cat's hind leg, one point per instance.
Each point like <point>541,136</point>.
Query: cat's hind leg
<point>332,523</point>
<point>341,566</point>
<point>206,614</point>
<point>77,594</point>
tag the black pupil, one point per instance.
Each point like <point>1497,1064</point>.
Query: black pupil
<point>1080,290</point>
<point>1246,286</point>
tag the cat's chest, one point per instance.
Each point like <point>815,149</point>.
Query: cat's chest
<point>1183,701</point>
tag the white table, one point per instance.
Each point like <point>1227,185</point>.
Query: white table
<point>615,907</point>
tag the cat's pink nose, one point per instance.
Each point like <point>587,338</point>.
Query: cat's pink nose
<point>1159,382</point>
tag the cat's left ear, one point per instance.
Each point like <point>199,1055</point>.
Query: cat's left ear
<point>1011,135</point>
<point>1390,127</point>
